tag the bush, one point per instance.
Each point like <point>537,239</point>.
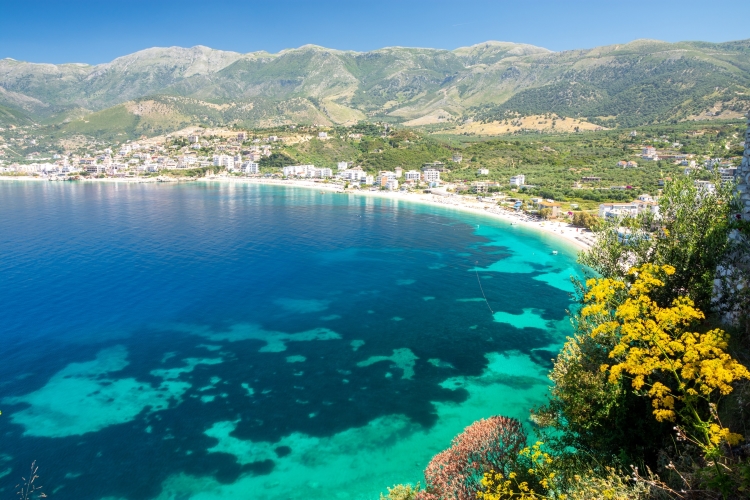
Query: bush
<point>491,444</point>
<point>401,492</point>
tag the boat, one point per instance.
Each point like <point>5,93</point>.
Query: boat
<point>554,252</point>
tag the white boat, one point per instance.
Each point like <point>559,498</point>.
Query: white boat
<point>554,252</point>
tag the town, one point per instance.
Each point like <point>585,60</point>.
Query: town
<point>223,153</point>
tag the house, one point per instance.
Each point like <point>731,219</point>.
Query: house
<point>186,161</point>
<point>322,135</point>
<point>399,172</point>
<point>483,171</point>
<point>354,174</point>
<point>457,158</point>
<point>479,187</point>
<point>224,161</point>
<point>241,137</point>
<point>385,176</point>
<point>392,185</point>
<point>553,207</point>
<point>342,165</point>
<point>728,174</point>
<point>431,175</point>
<point>712,162</point>
<point>591,179</point>
<point>436,165</point>
<point>250,167</point>
<point>297,170</point>
<point>413,176</point>
<point>518,180</point>
<point>616,210</point>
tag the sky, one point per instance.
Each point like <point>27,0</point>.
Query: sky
<point>94,32</point>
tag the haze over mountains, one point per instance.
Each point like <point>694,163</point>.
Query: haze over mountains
<point>161,89</point>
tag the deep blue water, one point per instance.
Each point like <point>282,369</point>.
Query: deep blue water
<point>214,340</point>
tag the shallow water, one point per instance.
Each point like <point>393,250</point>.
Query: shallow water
<point>214,340</point>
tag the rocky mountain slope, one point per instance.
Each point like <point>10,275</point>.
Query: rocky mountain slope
<point>160,89</point>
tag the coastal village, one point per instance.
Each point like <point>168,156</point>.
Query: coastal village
<point>239,155</point>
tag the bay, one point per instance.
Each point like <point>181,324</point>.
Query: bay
<point>215,340</point>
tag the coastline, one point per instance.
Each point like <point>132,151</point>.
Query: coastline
<point>579,239</point>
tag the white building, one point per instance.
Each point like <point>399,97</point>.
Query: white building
<point>518,180</point>
<point>322,135</point>
<point>431,175</point>
<point>224,161</point>
<point>392,185</point>
<point>250,167</point>
<point>618,210</point>
<point>186,161</point>
<point>483,171</point>
<point>342,165</point>
<point>413,176</point>
<point>354,174</point>
<point>300,170</point>
<point>399,172</point>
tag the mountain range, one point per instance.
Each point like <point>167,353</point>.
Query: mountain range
<point>161,89</point>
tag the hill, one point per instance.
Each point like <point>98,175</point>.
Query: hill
<point>161,89</point>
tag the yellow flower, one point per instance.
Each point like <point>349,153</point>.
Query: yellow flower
<point>656,350</point>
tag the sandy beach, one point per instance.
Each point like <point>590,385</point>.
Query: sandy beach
<point>580,239</point>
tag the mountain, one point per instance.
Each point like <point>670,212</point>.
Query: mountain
<point>160,89</point>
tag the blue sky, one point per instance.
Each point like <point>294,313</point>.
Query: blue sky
<point>98,31</point>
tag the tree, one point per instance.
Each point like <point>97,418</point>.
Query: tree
<point>689,231</point>
<point>586,220</point>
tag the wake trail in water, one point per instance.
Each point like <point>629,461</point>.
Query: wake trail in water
<point>482,289</point>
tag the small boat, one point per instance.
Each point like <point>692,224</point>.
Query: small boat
<point>554,252</point>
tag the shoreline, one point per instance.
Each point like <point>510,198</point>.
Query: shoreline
<point>579,239</point>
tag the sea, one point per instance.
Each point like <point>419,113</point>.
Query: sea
<point>226,340</point>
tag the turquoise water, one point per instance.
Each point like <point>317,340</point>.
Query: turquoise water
<point>216,340</point>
